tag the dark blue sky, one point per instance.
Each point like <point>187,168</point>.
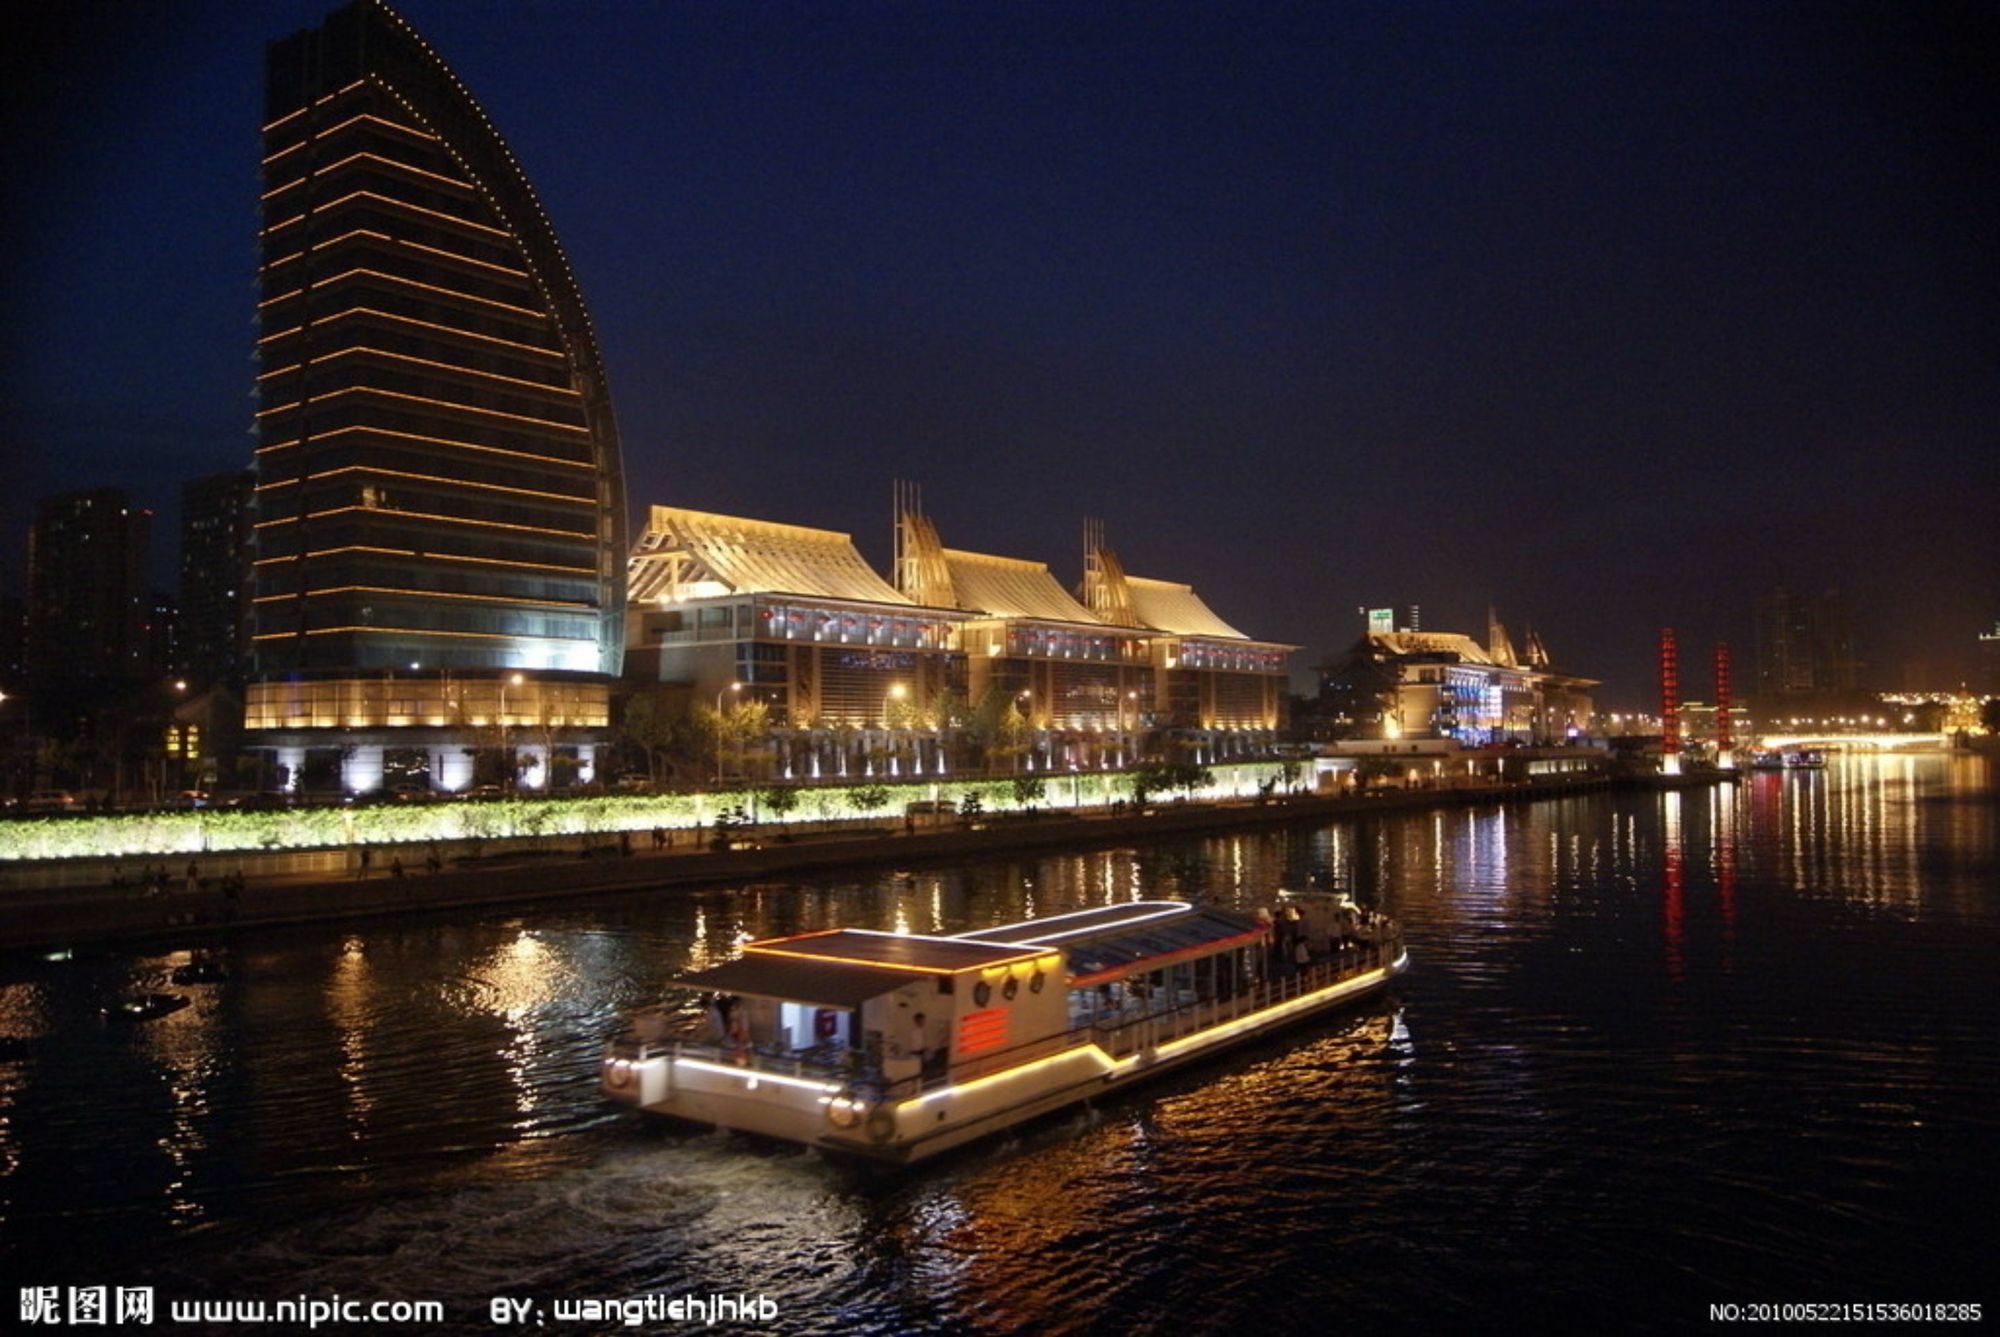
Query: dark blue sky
<point>1613,315</point>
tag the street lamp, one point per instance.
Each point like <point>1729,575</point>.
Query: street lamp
<point>732,687</point>
<point>897,692</point>
<point>506,752</point>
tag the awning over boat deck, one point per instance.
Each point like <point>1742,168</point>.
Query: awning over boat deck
<point>847,967</point>
<point>790,980</point>
<point>1113,940</point>
<point>1078,924</point>
<point>911,951</point>
<point>1160,942</point>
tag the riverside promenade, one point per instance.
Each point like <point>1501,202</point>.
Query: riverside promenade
<point>397,880</point>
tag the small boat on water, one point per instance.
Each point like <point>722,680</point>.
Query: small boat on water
<point>201,969</point>
<point>896,1047</point>
<point>145,1007</point>
<point>1788,759</point>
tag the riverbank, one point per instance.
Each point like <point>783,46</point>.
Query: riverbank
<point>72,915</point>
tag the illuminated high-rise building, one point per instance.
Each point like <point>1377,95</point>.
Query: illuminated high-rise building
<point>437,538</point>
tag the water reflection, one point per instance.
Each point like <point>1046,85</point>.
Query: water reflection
<point>1607,990</point>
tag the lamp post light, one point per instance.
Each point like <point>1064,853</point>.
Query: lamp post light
<point>897,692</point>
<point>506,751</point>
<point>732,687</point>
<point>1027,702</point>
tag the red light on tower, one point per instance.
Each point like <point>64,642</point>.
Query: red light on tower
<point>1725,736</point>
<point>1670,700</point>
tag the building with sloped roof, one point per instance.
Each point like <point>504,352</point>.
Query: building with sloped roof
<point>1083,687</point>
<point>794,618</point>
<point>1222,692</point>
<point>1427,684</point>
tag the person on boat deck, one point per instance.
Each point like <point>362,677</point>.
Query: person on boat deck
<point>920,1046</point>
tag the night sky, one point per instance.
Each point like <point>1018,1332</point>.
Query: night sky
<point>1612,315</point>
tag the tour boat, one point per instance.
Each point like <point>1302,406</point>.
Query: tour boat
<point>897,1046</point>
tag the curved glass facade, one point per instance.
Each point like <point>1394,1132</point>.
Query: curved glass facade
<point>438,481</point>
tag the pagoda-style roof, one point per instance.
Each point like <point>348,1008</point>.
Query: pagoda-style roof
<point>1177,609</point>
<point>683,555</point>
<point>1011,587</point>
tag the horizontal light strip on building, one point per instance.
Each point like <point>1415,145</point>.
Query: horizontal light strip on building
<point>327,245</point>
<point>335,129</point>
<point>431,478</point>
<point>385,199</point>
<point>332,242</point>
<point>421,399</point>
<point>319,102</point>
<point>425,324</point>
<point>412,554</point>
<point>427,594</point>
<point>584,534</point>
<point>433,440</point>
<point>358,156</point>
<point>422,362</point>
<point>464,259</point>
<point>414,283</point>
<point>421,631</point>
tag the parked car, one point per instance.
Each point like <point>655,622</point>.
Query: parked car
<point>269,802</point>
<point>483,792</point>
<point>51,800</point>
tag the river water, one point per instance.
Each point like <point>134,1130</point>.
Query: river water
<point>1655,1052</point>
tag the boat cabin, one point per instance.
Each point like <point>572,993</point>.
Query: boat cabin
<point>906,1011</point>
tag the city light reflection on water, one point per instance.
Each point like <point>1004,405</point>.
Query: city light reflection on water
<point>1725,1041</point>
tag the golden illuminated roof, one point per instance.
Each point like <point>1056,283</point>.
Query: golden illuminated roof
<point>1468,650</point>
<point>1011,587</point>
<point>1166,606</point>
<point>683,555</point>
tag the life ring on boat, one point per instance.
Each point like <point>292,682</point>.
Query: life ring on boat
<point>617,1075</point>
<point>826,1024</point>
<point>881,1125</point>
<point>843,1111</point>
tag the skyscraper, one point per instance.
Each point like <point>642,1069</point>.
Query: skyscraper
<point>89,603</point>
<point>439,496</point>
<point>1803,644</point>
<point>215,518</point>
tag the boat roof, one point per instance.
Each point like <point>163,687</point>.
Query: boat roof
<point>1113,940</point>
<point>790,980</point>
<point>846,967</point>
<point>908,951</point>
<point>1077,923</point>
